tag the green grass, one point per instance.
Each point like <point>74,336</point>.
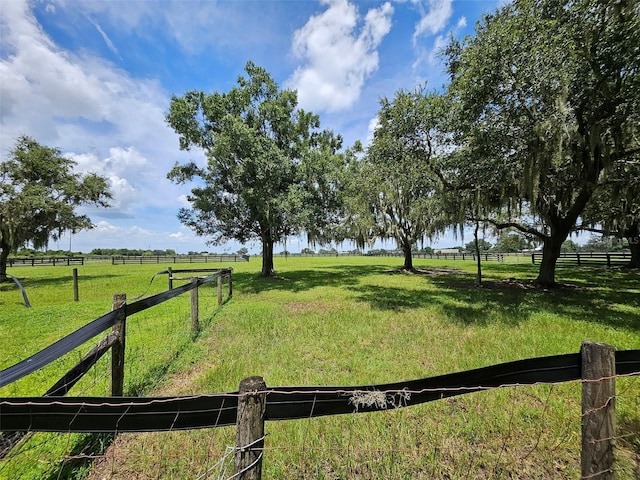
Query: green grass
<point>339,321</point>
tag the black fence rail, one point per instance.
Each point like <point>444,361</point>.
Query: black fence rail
<point>46,261</point>
<point>97,326</point>
<point>115,340</point>
<point>588,258</point>
<point>495,257</point>
<point>150,259</point>
<point>146,414</point>
<point>596,366</point>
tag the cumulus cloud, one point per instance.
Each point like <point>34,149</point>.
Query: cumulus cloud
<point>434,17</point>
<point>338,50</point>
<point>127,172</point>
<point>109,122</point>
<point>108,235</point>
<point>56,96</point>
<point>374,123</point>
<point>429,38</point>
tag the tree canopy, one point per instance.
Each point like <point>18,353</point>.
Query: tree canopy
<point>394,186</point>
<point>546,93</point>
<point>39,194</point>
<point>270,172</point>
<point>615,211</point>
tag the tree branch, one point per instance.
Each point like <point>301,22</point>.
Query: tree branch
<point>517,226</point>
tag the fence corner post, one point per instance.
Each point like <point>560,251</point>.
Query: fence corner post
<point>118,347</point>
<point>598,410</point>
<point>250,429</point>
<point>195,322</point>
<point>230,282</point>
<point>220,288</point>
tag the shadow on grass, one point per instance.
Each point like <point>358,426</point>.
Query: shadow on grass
<point>302,280</point>
<point>81,455</point>
<point>57,280</point>
<point>592,294</point>
<point>460,304</point>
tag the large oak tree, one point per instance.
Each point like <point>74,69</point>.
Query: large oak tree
<point>546,94</point>
<point>39,194</point>
<point>394,193</point>
<point>270,172</point>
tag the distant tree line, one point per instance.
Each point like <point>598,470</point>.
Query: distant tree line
<point>515,243</point>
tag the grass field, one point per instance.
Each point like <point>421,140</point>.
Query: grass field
<point>337,321</point>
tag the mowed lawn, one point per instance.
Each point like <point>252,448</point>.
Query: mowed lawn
<point>337,321</point>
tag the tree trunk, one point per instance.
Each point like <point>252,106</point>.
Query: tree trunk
<point>550,254</point>
<point>4,254</point>
<point>635,255</point>
<point>267,257</point>
<point>478,259</point>
<point>408,257</point>
<point>633,235</point>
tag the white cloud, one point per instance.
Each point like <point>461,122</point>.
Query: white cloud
<point>438,45</point>
<point>105,37</point>
<point>338,50</point>
<point>183,201</point>
<point>434,17</point>
<point>196,25</point>
<point>374,123</point>
<point>126,170</point>
<point>56,96</point>
<point>103,118</point>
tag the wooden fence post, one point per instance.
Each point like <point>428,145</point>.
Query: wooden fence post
<point>598,410</point>
<point>118,347</point>
<point>250,429</point>
<point>220,288</point>
<point>195,324</point>
<point>76,296</point>
<point>230,284</point>
<point>170,275</point>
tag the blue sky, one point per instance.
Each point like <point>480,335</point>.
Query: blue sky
<point>94,78</point>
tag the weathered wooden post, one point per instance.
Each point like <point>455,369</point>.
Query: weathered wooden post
<point>170,274</point>
<point>252,403</point>
<point>76,296</point>
<point>195,323</point>
<point>118,347</point>
<point>598,410</point>
<point>230,283</point>
<point>220,288</point>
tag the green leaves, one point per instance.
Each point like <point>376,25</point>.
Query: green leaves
<point>270,170</point>
<point>39,193</point>
<point>394,186</point>
<point>546,98</point>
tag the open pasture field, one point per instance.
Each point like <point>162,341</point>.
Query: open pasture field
<point>337,321</point>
